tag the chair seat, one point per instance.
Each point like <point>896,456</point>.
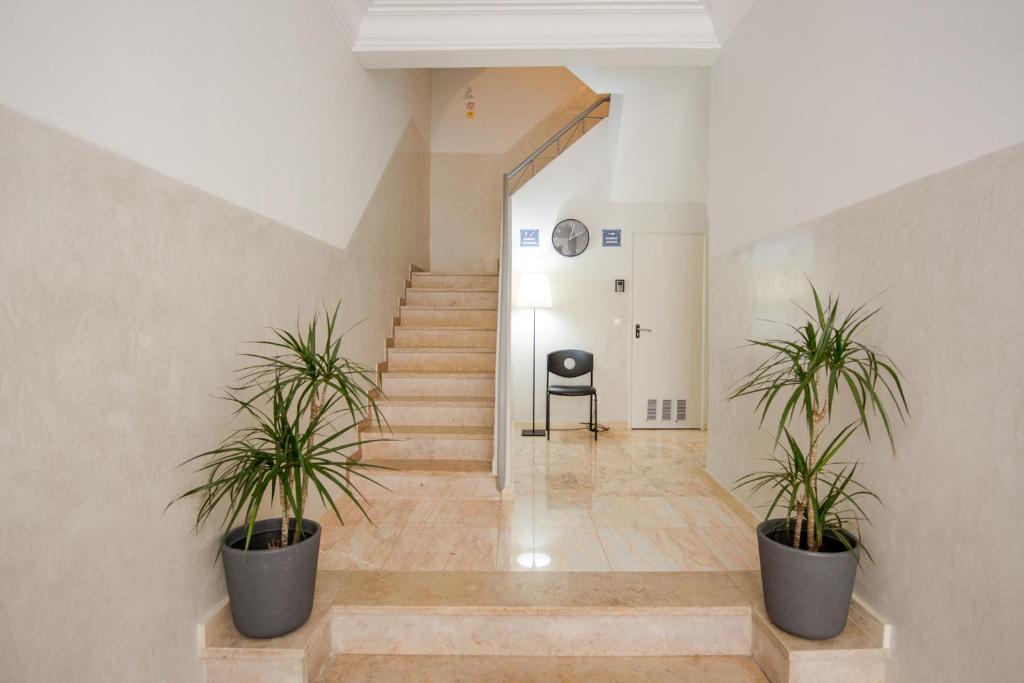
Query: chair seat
<point>571,390</point>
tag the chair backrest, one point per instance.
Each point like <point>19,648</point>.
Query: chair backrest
<point>582,362</point>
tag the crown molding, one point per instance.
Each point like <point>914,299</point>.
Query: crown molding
<point>495,6</point>
<point>530,41</point>
<point>420,7</point>
<point>649,28</point>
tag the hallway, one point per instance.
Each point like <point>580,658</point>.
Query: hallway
<point>632,501</point>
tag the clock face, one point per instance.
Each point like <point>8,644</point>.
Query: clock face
<point>570,237</point>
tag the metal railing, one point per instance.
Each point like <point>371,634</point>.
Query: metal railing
<point>512,181</point>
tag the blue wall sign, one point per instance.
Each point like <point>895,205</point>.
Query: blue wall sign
<point>529,238</point>
<point>611,238</point>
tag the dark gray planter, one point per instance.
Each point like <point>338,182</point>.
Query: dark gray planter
<point>806,594</point>
<point>271,590</point>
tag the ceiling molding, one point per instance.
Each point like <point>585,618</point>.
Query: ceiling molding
<point>498,6</point>
<point>530,41</point>
<point>636,31</point>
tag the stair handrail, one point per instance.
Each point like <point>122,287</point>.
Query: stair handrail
<point>502,401</point>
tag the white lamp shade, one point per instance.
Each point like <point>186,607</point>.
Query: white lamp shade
<point>534,291</point>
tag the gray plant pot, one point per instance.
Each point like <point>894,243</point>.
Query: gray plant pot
<point>271,590</point>
<point>806,594</point>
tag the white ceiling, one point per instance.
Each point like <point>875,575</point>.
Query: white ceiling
<point>460,33</point>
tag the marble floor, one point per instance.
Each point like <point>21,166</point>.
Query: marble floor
<point>632,501</point>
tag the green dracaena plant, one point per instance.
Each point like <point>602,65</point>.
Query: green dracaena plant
<point>804,377</point>
<point>303,402</point>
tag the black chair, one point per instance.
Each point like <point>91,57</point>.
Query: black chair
<point>582,362</point>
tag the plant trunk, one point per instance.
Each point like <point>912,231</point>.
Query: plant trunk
<point>314,412</point>
<point>817,423</point>
<point>798,524</point>
<point>284,512</point>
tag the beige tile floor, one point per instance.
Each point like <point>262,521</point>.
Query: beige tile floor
<point>632,501</point>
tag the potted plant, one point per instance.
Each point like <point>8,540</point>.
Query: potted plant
<point>303,402</point>
<point>809,557</point>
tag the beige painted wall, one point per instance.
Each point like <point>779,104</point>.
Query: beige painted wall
<point>943,255</point>
<point>125,297</point>
<point>465,184</point>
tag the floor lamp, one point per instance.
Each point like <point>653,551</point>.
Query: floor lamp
<point>534,292</point>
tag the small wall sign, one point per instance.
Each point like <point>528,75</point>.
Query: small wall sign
<point>611,238</point>
<point>529,238</point>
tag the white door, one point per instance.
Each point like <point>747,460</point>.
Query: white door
<point>667,331</point>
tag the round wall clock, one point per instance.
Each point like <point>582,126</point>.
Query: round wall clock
<point>570,237</point>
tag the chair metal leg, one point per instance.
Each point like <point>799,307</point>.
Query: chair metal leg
<point>595,417</point>
<point>547,416</point>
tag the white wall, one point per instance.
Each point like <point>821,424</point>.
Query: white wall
<point>817,105</point>
<point>660,131</point>
<point>640,170</point>
<point>508,103</point>
<point>585,306</point>
<point>259,102</point>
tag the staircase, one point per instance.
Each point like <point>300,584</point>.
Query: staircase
<point>437,392</point>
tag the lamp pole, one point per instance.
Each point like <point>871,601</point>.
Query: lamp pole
<point>533,384</point>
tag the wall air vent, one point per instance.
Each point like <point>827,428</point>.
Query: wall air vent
<point>681,410</point>
<point>652,409</point>
<point>666,409</point>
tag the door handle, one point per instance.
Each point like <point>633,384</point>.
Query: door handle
<point>641,329</point>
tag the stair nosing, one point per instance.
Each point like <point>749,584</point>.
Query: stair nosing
<point>437,375</point>
<point>439,273</point>
<point>409,467</point>
<point>485,433</point>
<point>443,349</point>
<point>472,290</point>
<point>439,400</point>
<point>447,308</point>
<point>452,328</point>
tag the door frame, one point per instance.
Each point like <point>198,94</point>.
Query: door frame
<point>704,358</point>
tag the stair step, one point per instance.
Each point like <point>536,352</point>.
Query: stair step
<point>439,359</point>
<point>532,669</point>
<point>480,384</point>
<point>445,337</point>
<point>444,316</point>
<point>405,442</point>
<point>454,298</point>
<point>447,479</point>
<point>462,411</point>
<point>455,280</point>
<point>552,615</point>
<point>502,615</point>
